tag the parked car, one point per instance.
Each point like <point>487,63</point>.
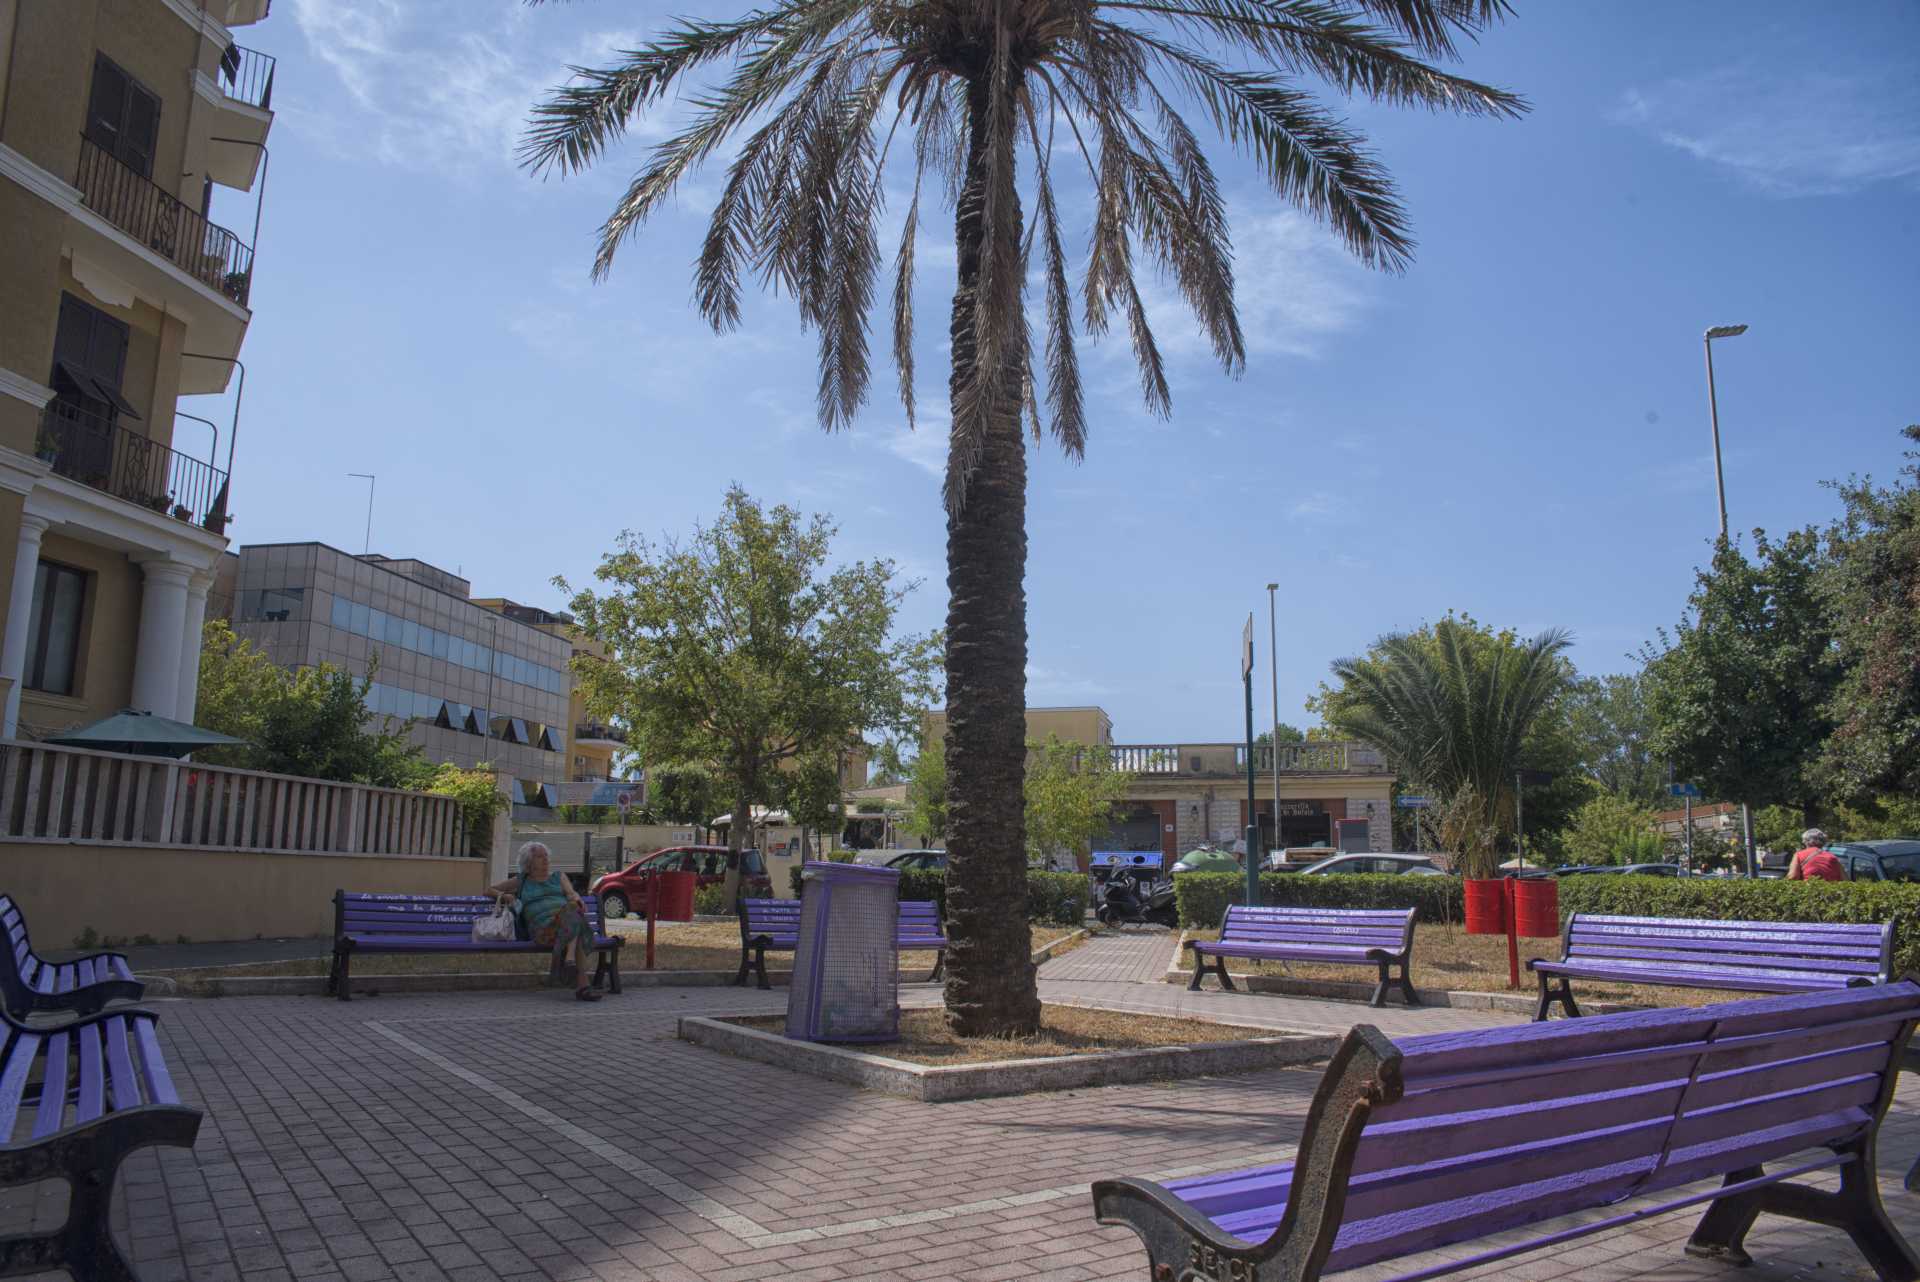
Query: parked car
<point>1418,865</point>
<point>1654,870</point>
<point>625,890</point>
<point>1893,859</point>
<point>919,861</point>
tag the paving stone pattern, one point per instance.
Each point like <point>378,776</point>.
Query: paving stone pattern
<point>520,1136</point>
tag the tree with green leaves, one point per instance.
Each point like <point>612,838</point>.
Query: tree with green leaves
<point>1612,730</point>
<point>740,648</point>
<point>312,721</point>
<point>1070,793</point>
<point>1739,692</point>
<point>1452,710</point>
<point>810,793</point>
<point>1611,829</point>
<point>927,791</point>
<point>684,792</point>
<point>809,99</point>
<point>1871,588</point>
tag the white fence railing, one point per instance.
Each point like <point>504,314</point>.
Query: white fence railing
<point>76,794</point>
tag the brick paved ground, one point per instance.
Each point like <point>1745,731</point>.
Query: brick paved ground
<point>521,1136</point>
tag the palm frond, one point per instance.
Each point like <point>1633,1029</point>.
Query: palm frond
<point>903,301</point>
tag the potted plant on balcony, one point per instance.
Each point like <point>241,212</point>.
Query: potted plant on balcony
<point>47,448</point>
<point>181,512</point>
<point>158,502</point>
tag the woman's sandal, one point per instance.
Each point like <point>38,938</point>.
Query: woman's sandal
<point>585,995</point>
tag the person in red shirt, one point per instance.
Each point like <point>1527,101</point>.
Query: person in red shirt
<point>1813,862</point>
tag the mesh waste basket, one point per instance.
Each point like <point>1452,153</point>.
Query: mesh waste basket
<point>846,967</point>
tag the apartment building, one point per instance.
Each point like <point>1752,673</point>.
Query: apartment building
<point>591,744</point>
<point>1182,794</point>
<point>478,684</point>
<point>119,294</point>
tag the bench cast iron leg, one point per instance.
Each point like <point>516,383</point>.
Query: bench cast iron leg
<point>1406,980</point>
<point>1913,1177</point>
<point>1855,1209</point>
<point>1722,1231</point>
<point>1226,980</point>
<point>343,962</point>
<point>760,967</point>
<point>1379,997</point>
<point>939,962</point>
<point>613,970</point>
<point>1199,970</point>
<point>740,980</point>
<point>1548,997</point>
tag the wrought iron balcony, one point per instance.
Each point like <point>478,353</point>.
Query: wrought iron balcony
<point>102,454</point>
<point>157,219</point>
<point>247,76</point>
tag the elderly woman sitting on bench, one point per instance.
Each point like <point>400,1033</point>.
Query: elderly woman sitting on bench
<point>552,915</point>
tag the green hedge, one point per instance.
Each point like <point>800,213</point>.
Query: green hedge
<point>1059,898</point>
<point>1737,899</point>
<point>1204,896</point>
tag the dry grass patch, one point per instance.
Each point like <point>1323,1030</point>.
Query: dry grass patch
<point>1064,1030</point>
<point>1447,957</point>
<point>701,945</point>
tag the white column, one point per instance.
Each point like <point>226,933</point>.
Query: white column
<point>190,646</point>
<point>13,651</point>
<point>163,627</point>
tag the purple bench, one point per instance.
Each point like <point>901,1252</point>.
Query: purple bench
<point>1435,1141</point>
<point>773,925</point>
<point>1687,952</point>
<point>440,924</point>
<point>74,1102</point>
<point>1380,937</point>
<point>29,984</point>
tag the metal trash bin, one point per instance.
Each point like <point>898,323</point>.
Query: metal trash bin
<point>846,965</point>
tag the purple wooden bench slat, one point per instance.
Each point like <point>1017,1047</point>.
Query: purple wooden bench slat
<point>29,983</point>
<point>773,925</point>
<point>1756,956</point>
<point>1439,1141</point>
<point>1381,938</point>
<point>384,923</point>
<point>94,1065</point>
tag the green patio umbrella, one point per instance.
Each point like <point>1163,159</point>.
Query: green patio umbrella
<point>142,734</point>
<point>1210,861</point>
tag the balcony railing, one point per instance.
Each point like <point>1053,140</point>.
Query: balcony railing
<point>100,453</point>
<point>247,76</point>
<point>157,219</point>
<point>594,730</point>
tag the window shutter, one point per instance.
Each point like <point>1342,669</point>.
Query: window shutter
<point>107,106</point>
<point>73,337</point>
<point>142,129</point>
<point>107,352</point>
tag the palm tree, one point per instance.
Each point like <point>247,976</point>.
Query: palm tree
<point>813,96</point>
<point>1452,711</point>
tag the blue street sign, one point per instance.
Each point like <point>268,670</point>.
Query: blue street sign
<point>1684,789</point>
<point>1413,803</point>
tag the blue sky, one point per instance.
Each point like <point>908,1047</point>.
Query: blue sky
<point>1517,427</point>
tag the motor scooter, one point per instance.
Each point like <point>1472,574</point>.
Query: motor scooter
<point>1144,900</point>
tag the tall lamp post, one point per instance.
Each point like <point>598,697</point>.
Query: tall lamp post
<point>1273,662</point>
<point>1720,484</point>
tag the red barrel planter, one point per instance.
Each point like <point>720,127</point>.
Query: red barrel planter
<point>673,895</point>
<point>1536,907</point>
<point>1486,906</point>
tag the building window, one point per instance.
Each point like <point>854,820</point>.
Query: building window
<point>123,116</point>
<point>53,632</point>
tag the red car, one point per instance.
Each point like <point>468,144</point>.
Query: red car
<point>626,890</point>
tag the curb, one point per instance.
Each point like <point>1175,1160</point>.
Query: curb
<point>936,1084</point>
<point>1046,951</point>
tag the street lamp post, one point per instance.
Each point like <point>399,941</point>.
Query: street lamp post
<point>1720,484</point>
<point>1273,662</point>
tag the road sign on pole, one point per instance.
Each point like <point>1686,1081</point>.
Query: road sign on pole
<point>1684,789</point>
<point>1414,803</point>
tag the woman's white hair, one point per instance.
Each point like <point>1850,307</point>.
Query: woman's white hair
<point>529,851</point>
<point>1813,837</point>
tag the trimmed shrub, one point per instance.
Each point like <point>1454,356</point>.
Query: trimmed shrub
<point>1204,896</point>
<point>1058,898</point>
<point>1737,899</point>
<point>710,901</point>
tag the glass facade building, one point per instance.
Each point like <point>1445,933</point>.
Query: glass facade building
<point>477,684</point>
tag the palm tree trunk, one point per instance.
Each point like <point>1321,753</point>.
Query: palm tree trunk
<point>990,988</point>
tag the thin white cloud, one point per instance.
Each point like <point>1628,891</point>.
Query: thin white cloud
<point>1318,503</point>
<point>1049,685</point>
<point>1816,133</point>
<point>445,86</point>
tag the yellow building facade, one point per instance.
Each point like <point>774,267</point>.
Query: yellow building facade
<point>118,295</point>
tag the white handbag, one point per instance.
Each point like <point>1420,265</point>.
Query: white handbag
<point>496,927</point>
